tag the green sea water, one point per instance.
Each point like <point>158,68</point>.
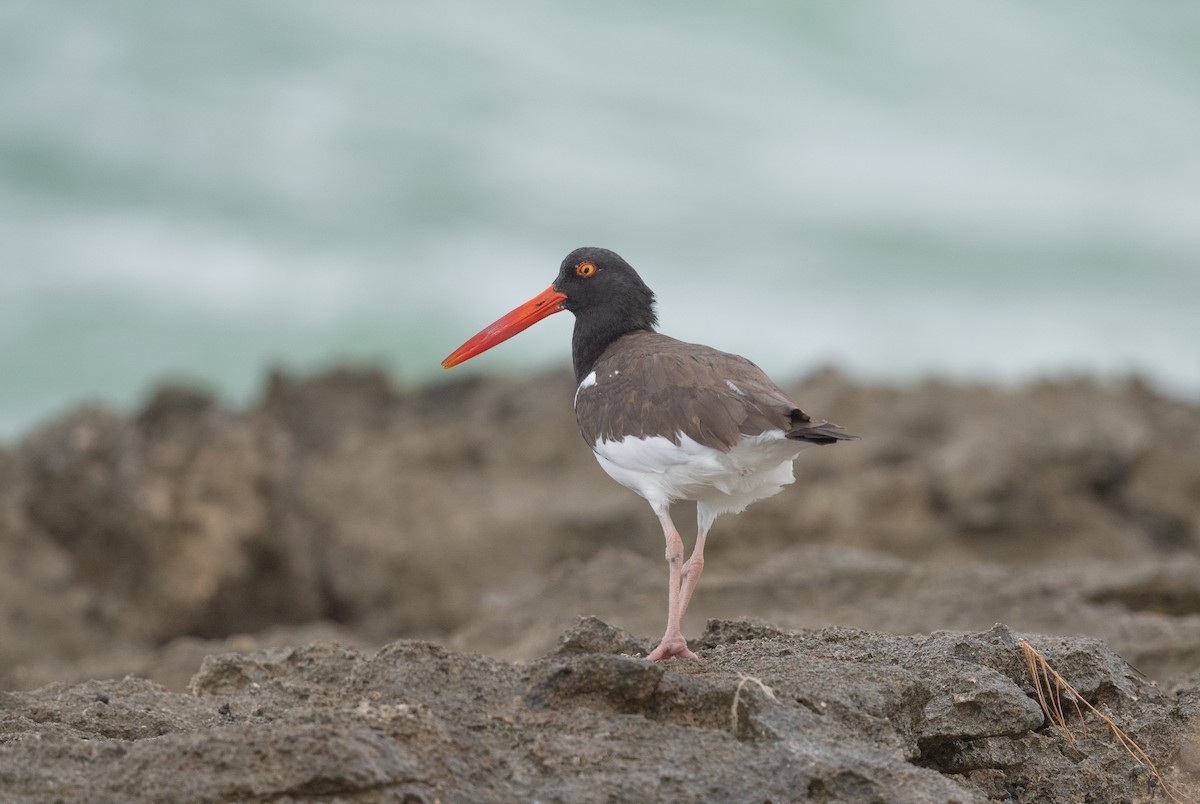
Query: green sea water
<point>201,191</point>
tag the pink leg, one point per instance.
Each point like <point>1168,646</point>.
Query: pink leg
<point>693,567</point>
<point>673,643</point>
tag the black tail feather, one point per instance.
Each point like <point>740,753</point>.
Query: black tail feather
<point>819,432</point>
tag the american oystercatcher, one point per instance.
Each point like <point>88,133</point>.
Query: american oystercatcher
<point>670,420</point>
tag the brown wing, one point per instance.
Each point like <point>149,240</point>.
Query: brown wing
<point>649,384</point>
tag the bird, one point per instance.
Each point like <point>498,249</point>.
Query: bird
<point>673,421</point>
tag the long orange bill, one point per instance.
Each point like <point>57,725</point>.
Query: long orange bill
<point>546,303</point>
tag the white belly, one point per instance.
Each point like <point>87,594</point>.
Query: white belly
<point>721,482</point>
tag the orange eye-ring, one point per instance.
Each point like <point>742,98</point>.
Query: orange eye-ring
<point>585,269</point>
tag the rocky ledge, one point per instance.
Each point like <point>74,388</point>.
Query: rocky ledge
<point>193,551</point>
<point>834,714</point>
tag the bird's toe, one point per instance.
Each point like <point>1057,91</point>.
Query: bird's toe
<point>671,647</point>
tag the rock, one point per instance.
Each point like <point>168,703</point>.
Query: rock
<point>834,715</point>
<point>593,635</point>
<point>414,512</point>
<point>468,515</point>
<point>179,517</point>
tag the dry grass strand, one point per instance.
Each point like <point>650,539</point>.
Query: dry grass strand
<point>1051,688</point>
<point>745,679</point>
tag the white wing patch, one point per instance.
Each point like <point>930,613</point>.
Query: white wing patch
<point>587,382</point>
<point>733,387</point>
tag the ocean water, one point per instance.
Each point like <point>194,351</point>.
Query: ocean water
<point>201,191</point>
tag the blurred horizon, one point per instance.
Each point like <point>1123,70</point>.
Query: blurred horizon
<point>968,191</point>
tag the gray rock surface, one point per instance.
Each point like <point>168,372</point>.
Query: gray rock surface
<point>192,544</point>
<point>830,715</point>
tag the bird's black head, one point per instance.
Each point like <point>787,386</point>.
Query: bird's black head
<point>608,299</point>
<point>606,295</point>
<point>599,281</point>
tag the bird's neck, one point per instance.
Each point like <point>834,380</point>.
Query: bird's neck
<point>594,334</point>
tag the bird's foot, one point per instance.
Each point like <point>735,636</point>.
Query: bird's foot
<point>672,645</point>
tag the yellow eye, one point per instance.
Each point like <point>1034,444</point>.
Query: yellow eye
<point>585,269</point>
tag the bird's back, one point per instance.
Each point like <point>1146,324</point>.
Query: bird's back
<point>647,384</point>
